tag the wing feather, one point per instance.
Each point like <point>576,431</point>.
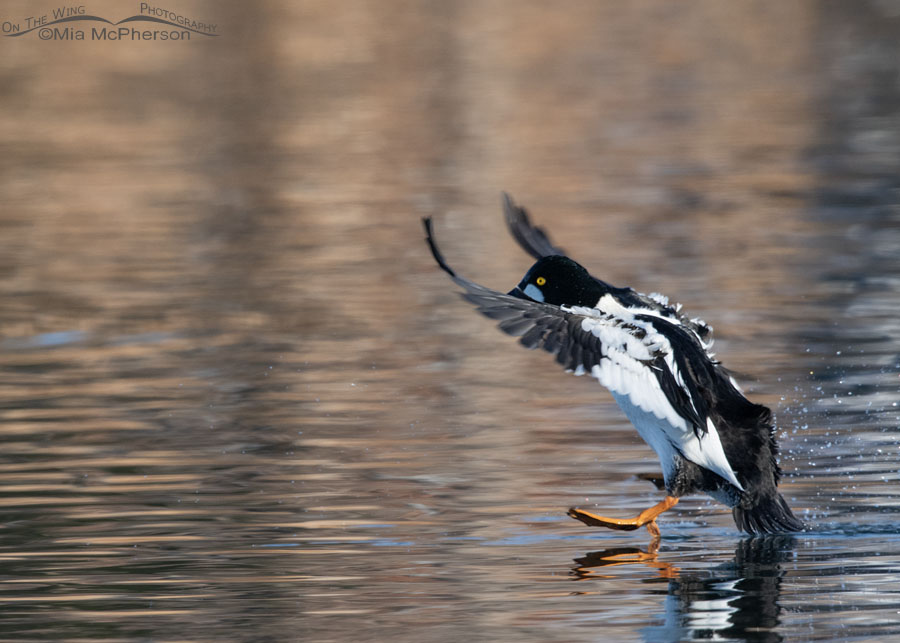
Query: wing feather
<point>533,239</point>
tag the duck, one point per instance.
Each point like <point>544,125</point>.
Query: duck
<point>657,364</point>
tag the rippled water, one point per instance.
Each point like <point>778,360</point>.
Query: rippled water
<point>239,402</point>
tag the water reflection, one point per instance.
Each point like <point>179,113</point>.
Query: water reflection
<point>594,563</point>
<point>738,600</point>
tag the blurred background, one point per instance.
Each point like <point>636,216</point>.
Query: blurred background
<point>238,401</point>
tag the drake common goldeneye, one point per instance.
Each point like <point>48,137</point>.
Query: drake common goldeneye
<point>656,363</point>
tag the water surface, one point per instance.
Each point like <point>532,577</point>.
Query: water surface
<point>239,402</point>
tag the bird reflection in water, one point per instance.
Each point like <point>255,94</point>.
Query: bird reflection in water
<point>736,600</point>
<point>593,564</point>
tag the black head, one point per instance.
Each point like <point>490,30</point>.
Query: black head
<point>559,281</point>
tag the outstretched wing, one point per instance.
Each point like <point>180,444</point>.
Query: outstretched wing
<point>535,241</point>
<point>627,356</point>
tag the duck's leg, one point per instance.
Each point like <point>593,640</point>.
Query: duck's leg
<point>646,517</point>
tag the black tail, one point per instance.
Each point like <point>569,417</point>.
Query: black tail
<point>771,515</point>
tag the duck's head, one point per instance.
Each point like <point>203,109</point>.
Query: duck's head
<point>559,281</point>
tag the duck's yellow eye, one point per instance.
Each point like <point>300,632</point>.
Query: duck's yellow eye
<point>540,281</point>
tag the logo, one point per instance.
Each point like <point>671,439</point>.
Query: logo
<point>73,23</point>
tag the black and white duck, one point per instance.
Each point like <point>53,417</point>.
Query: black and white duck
<point>657,364</point>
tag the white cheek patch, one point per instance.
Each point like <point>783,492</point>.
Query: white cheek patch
<point>534,292</point>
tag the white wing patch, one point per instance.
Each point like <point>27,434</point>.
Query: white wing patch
<point>626,373</point>
<point>609,304</point>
